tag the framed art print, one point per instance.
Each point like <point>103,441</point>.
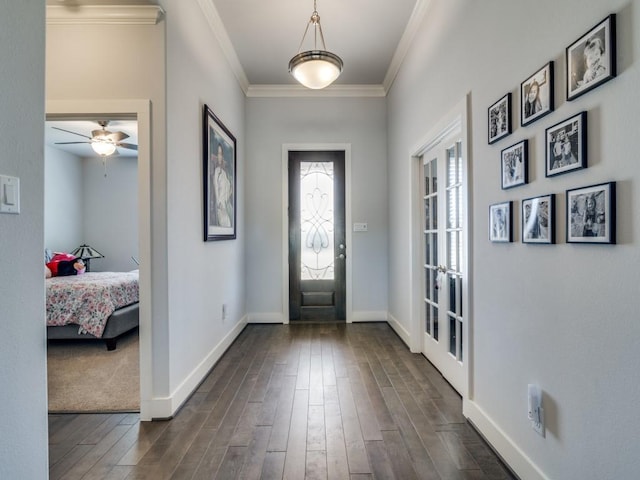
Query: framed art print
<point>566,145</point>
<point>499,119</point>
<point>500,222</point>
<point>219,179</point>
<point>591,214</point>
<point>514,165</point>
<point>591,60</point>
<point>538,219</point>
<point>536,95</point>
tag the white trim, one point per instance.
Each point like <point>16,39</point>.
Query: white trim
<point>516,458</point>
<point>286,147</point>
<point>104,14</point>
<point>275,317</point>
<point>142,110</point>
<point>220,32</point>
<point>362,316</point>
<point>352,91</point>
<point>402,332</point>
<point>166,407</point>
<point>414,23</point>
<point>456,121</point>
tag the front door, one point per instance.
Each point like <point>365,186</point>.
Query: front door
<point>317,247</point>
<point>442,196</point>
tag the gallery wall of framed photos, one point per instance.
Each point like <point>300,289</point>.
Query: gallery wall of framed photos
<point>590,210</point>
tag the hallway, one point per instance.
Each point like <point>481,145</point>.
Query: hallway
<point>314,401</point>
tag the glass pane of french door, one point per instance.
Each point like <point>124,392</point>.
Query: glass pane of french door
<point>430,228</point>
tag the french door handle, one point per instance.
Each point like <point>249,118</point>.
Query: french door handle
<point>442,269</point>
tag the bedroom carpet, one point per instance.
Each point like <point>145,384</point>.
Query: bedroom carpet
<point>84,377</point>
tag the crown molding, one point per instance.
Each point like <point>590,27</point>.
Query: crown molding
<point>215,22</point>
<point>415,21</point>
<point>330,91</point>
<point>104,15</point>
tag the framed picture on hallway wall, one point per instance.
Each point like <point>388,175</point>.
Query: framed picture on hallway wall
<point>536,95</point>
<point>499,119</point>
<point>591,60</point>
<point>500,222</point>
<point>219,179</point>
<point>591,214</point>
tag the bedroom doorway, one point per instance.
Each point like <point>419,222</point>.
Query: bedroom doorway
<point>136,180</point>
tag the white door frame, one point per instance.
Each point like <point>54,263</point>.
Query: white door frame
<point>457,120</point>
<point>141,109</point>
<point>317,147</point>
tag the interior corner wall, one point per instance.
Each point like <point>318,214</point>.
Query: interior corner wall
<point>63,193</point>
<point>23,372</point>
<point>131,66</point>
<point>272,122</point>
<point>203,276</point>
<point>562,316</point>
<point>110,211</point>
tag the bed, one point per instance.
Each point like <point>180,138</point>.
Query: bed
<point>99,305</point>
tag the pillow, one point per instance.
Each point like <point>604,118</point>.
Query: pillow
<point>47,272</point>
<point>65,264</point>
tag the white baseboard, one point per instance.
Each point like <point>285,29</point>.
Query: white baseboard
<point>275,317</point>
<point>166,407</point>
<point>368,316</point>
<point>399,329</point>
<point>517,460</point>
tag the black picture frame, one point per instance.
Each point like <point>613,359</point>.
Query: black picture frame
<point>591,214</point>
<point>218,179</point>
<point>566,145</point>
<point>539,219</point>
<point>591,59</point>
<point>514,165</point>
<point>499,119</point>
<point>500,221</point>
<point>541,85</point>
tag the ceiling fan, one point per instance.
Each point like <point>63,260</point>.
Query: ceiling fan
<point>102,141</point>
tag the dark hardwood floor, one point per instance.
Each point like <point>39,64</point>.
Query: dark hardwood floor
<point>319,401</point>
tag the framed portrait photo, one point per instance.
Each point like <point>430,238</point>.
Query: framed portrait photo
<point>538,219</point>
<point>499,119</point>
<point>591,60</point>
<point>566,145</point>
<point>536,95</point>
<point>591,214</point>
<point>500,222</point>
<point>219,179</point>
<point>514,162</point>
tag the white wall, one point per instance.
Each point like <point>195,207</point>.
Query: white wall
<point>272,122</point>
<point>202,275</point>
<point>63,193</point>
<point>562,316</point>
<point>110,212</point>
<point>23,374</point>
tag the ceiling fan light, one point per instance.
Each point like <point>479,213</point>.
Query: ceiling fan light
<point>103,147</point>
<point>316,69</point>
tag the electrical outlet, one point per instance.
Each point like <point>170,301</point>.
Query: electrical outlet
<point>224,312</point>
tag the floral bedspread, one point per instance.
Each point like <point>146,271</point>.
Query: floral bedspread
<point>87,300</point>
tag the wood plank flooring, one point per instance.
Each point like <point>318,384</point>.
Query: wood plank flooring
<point>312,401</point>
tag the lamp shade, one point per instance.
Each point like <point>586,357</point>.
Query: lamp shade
<point>103,146</point>
<point>315,69</point>
<point>86,252</point>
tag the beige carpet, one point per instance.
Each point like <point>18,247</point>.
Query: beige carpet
<point>85,377</point>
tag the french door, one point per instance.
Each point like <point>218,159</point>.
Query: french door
<point>443,224</point>
<point>317,236</point>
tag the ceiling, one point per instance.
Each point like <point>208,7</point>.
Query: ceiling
<point>85,127</point>
<point>259,38</point>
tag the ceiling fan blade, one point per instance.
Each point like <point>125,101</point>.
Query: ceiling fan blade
<point>99,133</point>
<point>118,136</point>
<point>69,143</point>
<point>69,131</point>
<point>130,146</point>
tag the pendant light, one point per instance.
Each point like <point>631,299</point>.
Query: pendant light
<point>315,68</point>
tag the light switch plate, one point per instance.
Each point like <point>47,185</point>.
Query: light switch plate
<point>9,194</point>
